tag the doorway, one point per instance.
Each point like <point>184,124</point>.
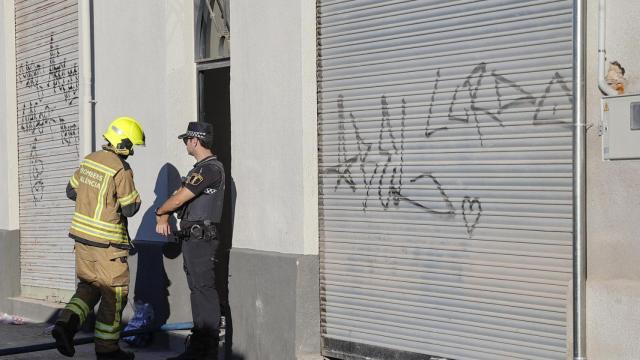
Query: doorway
<point>214,108</point>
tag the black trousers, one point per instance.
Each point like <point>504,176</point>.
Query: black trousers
<point>199,265</point>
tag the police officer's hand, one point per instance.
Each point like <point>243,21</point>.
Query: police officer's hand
<point>162,225</point>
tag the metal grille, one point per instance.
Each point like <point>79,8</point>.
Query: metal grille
<point>445,172</point>
<point>48,137</point>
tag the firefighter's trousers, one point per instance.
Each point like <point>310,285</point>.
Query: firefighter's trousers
<point>103,275</point>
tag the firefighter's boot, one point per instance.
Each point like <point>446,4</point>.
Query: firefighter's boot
<point>118,355</point>
<point>63,333</point>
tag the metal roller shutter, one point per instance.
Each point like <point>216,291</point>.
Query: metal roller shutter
<point>445,173</point>
<point>48,139</point>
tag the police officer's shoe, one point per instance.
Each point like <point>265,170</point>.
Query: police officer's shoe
<point>63,334</point>
<point>210,353</point>
<point>194,347</point>
<point>210,347</point>
<point>118,354</point>
<point>188,354</point>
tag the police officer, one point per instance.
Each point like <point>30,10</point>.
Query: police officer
<point>200,201</point>
<point>105,196</point>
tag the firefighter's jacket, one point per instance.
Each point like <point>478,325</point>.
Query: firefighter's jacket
<point>105,195</point>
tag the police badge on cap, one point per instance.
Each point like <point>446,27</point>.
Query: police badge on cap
<point>200,130</point>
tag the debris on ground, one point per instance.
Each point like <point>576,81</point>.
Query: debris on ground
<point>11,319</point>
<point>143,318</point>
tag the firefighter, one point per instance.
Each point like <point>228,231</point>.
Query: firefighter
<point>105,196</point>
<point>200,203</point>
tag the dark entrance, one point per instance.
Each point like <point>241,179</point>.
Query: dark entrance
<point>214,108</point>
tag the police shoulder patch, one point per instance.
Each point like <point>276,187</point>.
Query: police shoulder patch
<point>195,179</point>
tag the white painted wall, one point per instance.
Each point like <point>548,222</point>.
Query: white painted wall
<point>144,68</point>
<point>273,125</point>
<point>613,188</point>
<point>4,86</point>
<point>8,121</point>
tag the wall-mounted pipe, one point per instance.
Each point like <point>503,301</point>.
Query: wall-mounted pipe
<point>602,52</point>
<point>579,182</point>
<point>87,93</point>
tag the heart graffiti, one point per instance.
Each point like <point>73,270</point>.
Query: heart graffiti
<point>471,212</point>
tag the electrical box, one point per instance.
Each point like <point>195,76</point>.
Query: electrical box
<point>621,127</point>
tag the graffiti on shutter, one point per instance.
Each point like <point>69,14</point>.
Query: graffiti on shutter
<point>39,117</point>
<point>47,84</point>
<point>385,183</point>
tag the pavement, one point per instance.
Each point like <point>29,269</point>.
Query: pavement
<point>164,345</point>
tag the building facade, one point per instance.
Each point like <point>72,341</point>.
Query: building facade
<point>400,173</point>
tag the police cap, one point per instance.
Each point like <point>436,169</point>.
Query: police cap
<point>200,130</point>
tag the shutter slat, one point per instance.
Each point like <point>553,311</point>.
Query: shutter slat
<point>445,144</point>
<point>48,138</point>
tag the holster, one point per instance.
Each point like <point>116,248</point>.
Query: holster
<point>178,236</point>
<point>200,230</point>
<point>181,211</point>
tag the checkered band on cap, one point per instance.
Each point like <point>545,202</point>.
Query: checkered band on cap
<point>196,134</point>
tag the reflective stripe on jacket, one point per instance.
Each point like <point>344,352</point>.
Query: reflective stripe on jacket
<point>104,190</point>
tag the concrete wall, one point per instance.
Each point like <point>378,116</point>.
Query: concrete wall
<point>144,68</point>
<point>10,275</point>
<point>613,282</point>
<point>274,294</point>
<point>8,120</point>
<point>274,307</point>
<point>273,126</point>
<point>5,64</point>
<point>9,235</point>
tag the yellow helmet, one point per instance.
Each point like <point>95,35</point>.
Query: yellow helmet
<point>123,133</point>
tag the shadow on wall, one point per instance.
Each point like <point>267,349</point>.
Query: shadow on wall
<point>222,264</point>
<point>152,282</point>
